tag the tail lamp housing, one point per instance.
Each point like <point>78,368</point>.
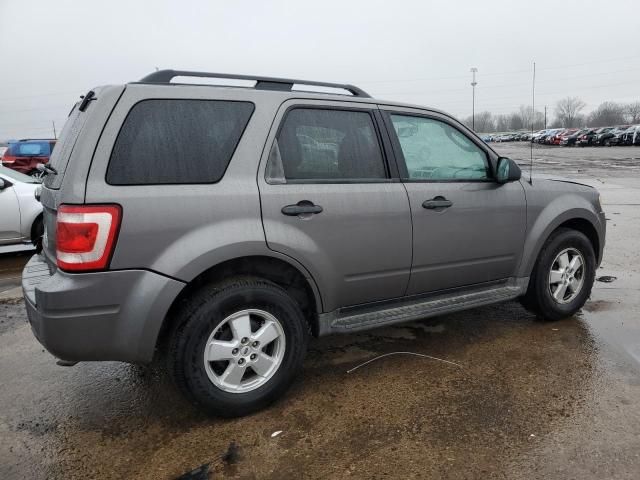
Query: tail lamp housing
<point>86,236</point>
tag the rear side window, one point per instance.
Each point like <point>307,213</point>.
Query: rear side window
<point>177,141</point>
<point>326,146</point>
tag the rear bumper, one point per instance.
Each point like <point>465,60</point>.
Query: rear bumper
<point>113,315</point>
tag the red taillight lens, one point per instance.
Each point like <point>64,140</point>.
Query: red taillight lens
<point>8,158</point>
<point>86,236</point>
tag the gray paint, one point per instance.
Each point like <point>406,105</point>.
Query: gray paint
<point>357,251</point>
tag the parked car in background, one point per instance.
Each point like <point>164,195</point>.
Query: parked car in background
<point>525,137</point>
<point>551,138</point>
<point>587,137</point>
<point>281,238</point>
<point>603,136</point>
<point>20,210</point>
<point>570,139</point>
<point>536,136</point>
<point>617,136</point>
<point>627,137</point>
<point>24,155</point>
<point>562,134</point>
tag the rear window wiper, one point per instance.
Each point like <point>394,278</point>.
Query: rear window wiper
<point>86,99</point>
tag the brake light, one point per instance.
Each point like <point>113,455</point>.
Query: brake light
<point>86,236</point>
<point>8,158</point>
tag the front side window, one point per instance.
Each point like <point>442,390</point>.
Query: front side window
<point>434,150</point>
<point>326,145</point>
<point>177,141</point>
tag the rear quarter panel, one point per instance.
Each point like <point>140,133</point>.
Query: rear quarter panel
<point>182,230</point>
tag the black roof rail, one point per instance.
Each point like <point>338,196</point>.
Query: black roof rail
<point>262,83</point>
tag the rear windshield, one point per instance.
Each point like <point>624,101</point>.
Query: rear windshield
<point>30,149</point>
<point>172,141</point>
<point>64,147</point>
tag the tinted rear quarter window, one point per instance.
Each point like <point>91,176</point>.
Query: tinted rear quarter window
<point>171,141</point>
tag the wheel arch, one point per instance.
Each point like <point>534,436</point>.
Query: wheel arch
<point>294,279</point>
<point>34,222</point>
<point>583,220</point>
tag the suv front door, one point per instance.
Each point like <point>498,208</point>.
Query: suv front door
<point>467,228</point>
<point>329,200</point>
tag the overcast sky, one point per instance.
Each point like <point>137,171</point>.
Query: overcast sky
<point>420,52</point>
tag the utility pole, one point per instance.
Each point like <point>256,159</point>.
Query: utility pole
<point>545,117</point>
<point>55,136</point>
<point>473,98</point>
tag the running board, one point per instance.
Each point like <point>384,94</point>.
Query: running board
<point>365,318</point>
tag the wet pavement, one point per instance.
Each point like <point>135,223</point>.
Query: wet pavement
<point>529,399</point>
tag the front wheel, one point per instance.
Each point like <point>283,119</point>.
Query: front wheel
<point>563,275</point>
<point>237,346</point>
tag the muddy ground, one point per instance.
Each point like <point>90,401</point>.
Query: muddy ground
<point>528,400</point>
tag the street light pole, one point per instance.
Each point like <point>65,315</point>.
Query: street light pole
<point>473,101</point>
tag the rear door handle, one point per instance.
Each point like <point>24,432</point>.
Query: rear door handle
<point>304,207</point>
<point>437,202</point>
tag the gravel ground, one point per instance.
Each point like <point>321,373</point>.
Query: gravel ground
<point>528,400</point>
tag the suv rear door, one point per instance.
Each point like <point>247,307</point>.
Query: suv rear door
<point>467,228</point>
<point>330,200</point>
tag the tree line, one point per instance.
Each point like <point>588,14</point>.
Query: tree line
<point>567,113</point>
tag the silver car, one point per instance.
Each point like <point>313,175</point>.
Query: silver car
<point>220,227</point>
<point>20,211</point>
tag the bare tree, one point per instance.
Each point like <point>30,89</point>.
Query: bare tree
<point>484,122</point>
<point>502,123</point>
<point>568,111</point>
<point>607,114</point>
<point>633,112</point>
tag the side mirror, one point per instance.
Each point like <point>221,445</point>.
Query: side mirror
<point>4,184</point>
<point>507,171</point>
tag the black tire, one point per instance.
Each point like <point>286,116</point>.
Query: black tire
<point>538,298</point>
<point>202,313</point>
<point>607,143</point>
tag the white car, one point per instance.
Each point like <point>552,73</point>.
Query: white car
<point>20,210</point>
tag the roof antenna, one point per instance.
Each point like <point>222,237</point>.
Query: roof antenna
<point>533,119</point>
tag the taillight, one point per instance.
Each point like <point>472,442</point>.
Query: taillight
<point>8,158</point>
<point>86,236</point>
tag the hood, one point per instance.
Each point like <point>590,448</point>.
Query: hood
<point>553,178</point>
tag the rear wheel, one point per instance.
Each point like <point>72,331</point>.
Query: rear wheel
<point>563,276</point>
<point>237,346</point>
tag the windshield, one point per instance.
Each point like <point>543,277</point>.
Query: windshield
<point>17,176</point>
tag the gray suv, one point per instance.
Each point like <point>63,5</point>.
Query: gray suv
<point>218,227</point>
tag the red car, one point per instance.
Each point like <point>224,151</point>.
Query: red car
<point>25,155</point>
<point>557,140</point>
